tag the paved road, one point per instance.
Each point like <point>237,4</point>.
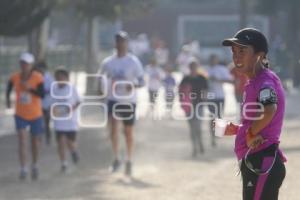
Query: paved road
<point>163,167</point>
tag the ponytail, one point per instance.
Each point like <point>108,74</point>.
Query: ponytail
<point>265,62</point>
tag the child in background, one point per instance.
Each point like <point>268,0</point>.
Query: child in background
<point>169,85</point>
<point>155,77</point>
<point>65,100</point>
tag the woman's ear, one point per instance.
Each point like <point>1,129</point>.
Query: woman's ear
<point>260,56</point>
<point>263,59</point>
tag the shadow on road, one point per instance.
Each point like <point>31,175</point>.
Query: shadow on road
<point>135,183</point>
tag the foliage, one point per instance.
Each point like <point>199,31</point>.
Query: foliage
<point>112,9</point>
<point>19,17</point>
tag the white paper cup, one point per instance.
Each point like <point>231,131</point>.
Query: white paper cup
<point>220,127</point>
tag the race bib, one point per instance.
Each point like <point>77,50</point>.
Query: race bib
<point>25,98</point>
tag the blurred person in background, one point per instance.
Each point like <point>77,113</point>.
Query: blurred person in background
<point>46,104</point>
<point>29,88</point>
<point>192,91</point>
<point>65,101</point>
<point>258,136</point>
<point>169,84</point>
<point>141,47</point>
<point>195,48</point>
<point>155,77</point>
<point>183,59</point>
<point>124,73</point>
<point>218,74</point>
<point>161,53</point>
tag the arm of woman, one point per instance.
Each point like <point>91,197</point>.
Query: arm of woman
<point>254,139</point>
<point>265,118</point>
<point>267,98</point>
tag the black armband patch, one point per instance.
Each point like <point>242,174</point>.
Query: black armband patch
<point>267,96</point>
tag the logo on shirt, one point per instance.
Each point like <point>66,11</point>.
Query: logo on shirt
<point>250,184</point>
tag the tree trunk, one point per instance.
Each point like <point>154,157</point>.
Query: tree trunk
<point>32,46</point>
<point>92,54</point>
<point>42,40</point>
<point>38,41</point>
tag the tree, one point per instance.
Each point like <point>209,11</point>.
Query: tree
<point>20,17</point>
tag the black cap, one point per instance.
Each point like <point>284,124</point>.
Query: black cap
<point>249,37</point>
<point>122,35</point>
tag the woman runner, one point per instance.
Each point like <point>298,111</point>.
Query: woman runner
<point>258,135</point>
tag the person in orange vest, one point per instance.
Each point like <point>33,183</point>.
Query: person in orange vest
<point>29,88</point>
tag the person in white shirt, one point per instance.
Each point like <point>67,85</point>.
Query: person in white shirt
<point>169,84</point>
<point>46,101</point>
<point>162,53</point>
<point>218,74</point>
<point>64,103</point>
<point>155,77</point>
<point>183,59</point>
<point>124,73</point>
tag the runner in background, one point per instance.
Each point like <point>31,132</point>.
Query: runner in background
<point>161,53</point>
<point>183,59</point>
<point>192,91</point>
<point>124,74</point>
<point>218,74</point>
<point>169,84</point>
<point>29,89</point>
<point>46,101</point>
<point>65,101</point>
<point>155,77</point>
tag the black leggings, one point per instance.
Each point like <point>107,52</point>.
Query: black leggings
<point>263,187</point>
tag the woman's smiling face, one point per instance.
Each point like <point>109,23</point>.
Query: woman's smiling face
<point>244,58</point>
